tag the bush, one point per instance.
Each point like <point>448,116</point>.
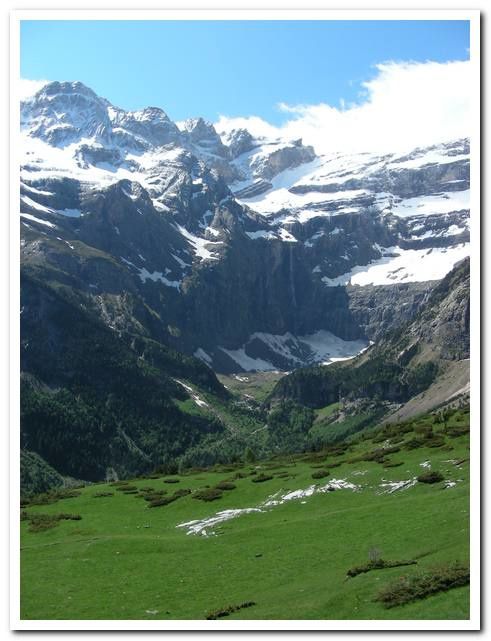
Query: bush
<point>165,500</point>
<point>332,465</point>
<point>101,494</point>
<point>430,477</point>
<point>182,492</point>
<point>41,522</point>
<point>224,612</point>
<point>377,564</point>
<point>225,485</point>
<point>260,478</point>
<point>152,496</point>
<point>320,474</point>
<point>126,488</point>
<point>53,496</point>
<point>393,464</point>
<point>411,588</point>
<point>210,494</point>
<point>414,443</point>
<point>172,480</point>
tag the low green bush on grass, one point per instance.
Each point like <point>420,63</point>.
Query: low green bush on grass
<point>172,480</point>
<point>159,501</point>
<point>330,466</point>
<point>208,494</point>
<point>377,564</point>
<point>320,474</point>
<point>127,489</point>
<point>42,522</point>
<point>430,477</point>
<point>418,586</point>
<point>53,496</point>
<point>224,612</point>
<point>225,485</point>
<point>152,496</point>
<point>260,478</point>
<point>98,495</point>
<point>393,463</point>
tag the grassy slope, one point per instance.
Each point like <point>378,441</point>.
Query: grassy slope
<point>257,385</point>
<point>111,565</point>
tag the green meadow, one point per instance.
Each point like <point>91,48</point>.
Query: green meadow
<point>119,558</point>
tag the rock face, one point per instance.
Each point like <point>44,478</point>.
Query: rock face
<point>404,363</point>
<point>249,253</point>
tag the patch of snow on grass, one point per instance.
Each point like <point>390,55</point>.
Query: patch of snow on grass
<point>204,526</point>
<point>389,487</point>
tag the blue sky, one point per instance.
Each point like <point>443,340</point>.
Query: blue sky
<point>233,68</point>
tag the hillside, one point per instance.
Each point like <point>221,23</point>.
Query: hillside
<point>407,364</point>
<point>323,535</point>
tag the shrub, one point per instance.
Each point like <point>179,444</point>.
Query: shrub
<point>101,494</point>
<point>126,488</point>
<point>239,475</point>
<point>181,492</point>
<point>225,485</point>
<point>377,564</point>
<point>411,588</point>
<point>172,480</point>
<point>260,478</point>
<point>53,496</point>
<point>331,465</point>
<point>393,463</point>
<point>152,496</point>
<point>209,494</point>
<point>430,477</point>
<point>224,612</point>
<point>414,443</point>
<point>165,500</point>
<point>41,522</point>
<point>320,474</point>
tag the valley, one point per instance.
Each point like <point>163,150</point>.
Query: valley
<point>244,371</point>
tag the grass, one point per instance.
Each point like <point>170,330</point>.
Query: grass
<point>411,588</point>
<point>123,560</point>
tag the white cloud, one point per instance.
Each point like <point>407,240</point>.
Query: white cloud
<point>27,88</point>
<point>406,105</point>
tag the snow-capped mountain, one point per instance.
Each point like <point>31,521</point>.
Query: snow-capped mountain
<point>239,250</point>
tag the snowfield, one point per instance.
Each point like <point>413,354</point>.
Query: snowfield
<point>404,266</point>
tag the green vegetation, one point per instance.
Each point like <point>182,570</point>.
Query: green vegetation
<point>378,564</point>
<point>411,588</point>
<point>290,559</point>
<point>320,474</point>
<point>430,477</point>
<point>224,612</point>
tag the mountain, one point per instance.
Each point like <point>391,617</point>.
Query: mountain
<point>154,252</point>
<point>422,365</point>
<point>250,252</point>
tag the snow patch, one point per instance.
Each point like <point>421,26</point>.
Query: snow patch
<point>38,220</point>
<point>389,487</point>
<point>404,265</point>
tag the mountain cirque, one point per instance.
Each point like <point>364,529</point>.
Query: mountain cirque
<point>251,254</point>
